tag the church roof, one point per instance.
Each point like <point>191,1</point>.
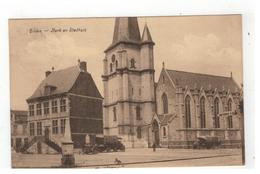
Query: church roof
<point>63,81</point>
<point>126,29</point>
<point>206,81</point>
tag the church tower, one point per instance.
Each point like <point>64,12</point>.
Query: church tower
<point>128,77</point>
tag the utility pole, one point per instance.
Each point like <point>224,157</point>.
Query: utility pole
<point>241,107</point>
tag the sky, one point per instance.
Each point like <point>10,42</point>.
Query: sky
<point>202,44</point>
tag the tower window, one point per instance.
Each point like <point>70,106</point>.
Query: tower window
<point>165,103</point>
<point>138,112</point>
<point>132,63</point>
<point>114,113</point>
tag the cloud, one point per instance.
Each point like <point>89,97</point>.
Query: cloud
<point>195,53</point>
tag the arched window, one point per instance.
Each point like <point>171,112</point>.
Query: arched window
<point>187,112</point>
<point>114,113</point>
<point>164,131</point>
<point>139,132</point>
<point>165,103</point>
<point>138,113</point>
<point>216,113</point>
<point>113,58</point>
<point>229,118</point>
<point>202,113</point>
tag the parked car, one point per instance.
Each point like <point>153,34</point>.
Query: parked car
<point>95,144</point>
<point>206,142</point>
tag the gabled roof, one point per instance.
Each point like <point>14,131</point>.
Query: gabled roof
<point>165,118</point>
<point>62,81</point>
<point>206,81</point>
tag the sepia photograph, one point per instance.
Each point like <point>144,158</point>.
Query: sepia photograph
<point>127,92</point>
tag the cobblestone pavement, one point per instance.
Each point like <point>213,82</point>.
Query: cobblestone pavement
<point>137,158</point>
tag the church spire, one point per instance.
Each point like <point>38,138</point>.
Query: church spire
<point>146,37</point>
<point>126,30</point>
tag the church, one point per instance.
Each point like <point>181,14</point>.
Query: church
<point>172,112</point>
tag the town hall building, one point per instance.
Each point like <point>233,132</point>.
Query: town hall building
<point>66,99</point>
<point>173,112</point>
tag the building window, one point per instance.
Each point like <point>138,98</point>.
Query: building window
<point>216,113</point>
<point>164,131</point>
<point>132,63</point>
<point>202,113</point>
<point>46,108</point>
<point>54,107</point>
<point>139,132</point>
<point>62,125</point>
<point>31,129</point>
<point>138,112</point>
<point>113,58</point>
<point>114,113</point>
<point>39,109</point>
<point>187,112</point>
<point>55,127</point>
<point>63,105</point>
<point>165,103</point>
<point>39,128</point>
<point>132,91</point>
<point>31,110</point>
<point>229,118</point>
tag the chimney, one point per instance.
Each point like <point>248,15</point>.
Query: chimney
<point>47,73</point>
<point>83,66</point>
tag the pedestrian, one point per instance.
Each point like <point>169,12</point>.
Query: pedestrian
<point>154,147</point>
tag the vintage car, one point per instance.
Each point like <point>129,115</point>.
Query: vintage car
<point>206,142</point>
<point>96,144</point>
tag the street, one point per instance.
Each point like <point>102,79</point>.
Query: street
<point>137,158</point>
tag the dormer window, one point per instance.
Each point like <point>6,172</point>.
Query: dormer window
<point>132,63</point>
<point>48,89</point>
